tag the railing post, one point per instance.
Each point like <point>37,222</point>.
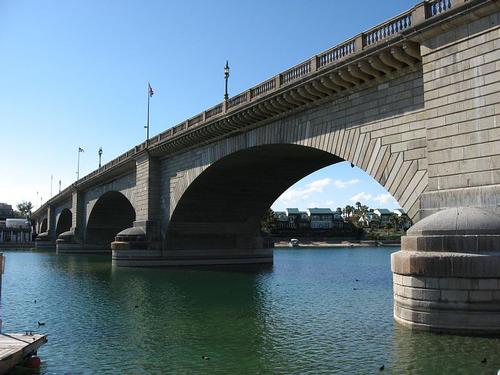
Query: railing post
<point>224,106</point>
<point>419,14</point>
<point>314,63</point>
<point>277,82</point>
<point>359,43</point>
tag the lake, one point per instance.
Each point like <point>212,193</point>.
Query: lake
<point>315,311</point>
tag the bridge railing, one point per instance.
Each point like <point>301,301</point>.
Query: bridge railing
<point>339,52</point>
<point>436,7</point>
<point>388,29</point>
<point>368,39</point>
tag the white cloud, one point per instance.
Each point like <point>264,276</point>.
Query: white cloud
<point>330,203</point>
<point>360,197</point>
<point>293,195</point>
<point>383,198</point>
<point>343,184</point>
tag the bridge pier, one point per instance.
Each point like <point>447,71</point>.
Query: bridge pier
<point>140,246</point>
<point>157,258</point>
<point>447,274</point>
<point>68,243</point>
<point>45,241</point>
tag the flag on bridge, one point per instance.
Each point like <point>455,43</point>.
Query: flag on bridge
<point>150,90</point>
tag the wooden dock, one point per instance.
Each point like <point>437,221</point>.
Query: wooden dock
<point>16,347</point>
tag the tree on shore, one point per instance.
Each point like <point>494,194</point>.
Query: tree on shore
<point>25,208</point>
<point>268,224</point>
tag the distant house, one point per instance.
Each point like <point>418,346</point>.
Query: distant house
<point>384,215</point>
<point>300,219</point>
<point>292,211</point>
<point>321,218</point>
<point>282,220</point>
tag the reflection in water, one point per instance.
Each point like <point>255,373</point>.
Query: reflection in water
<point>306,314</point>
<point>417,352</point>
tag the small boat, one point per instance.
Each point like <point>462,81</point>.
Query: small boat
<point>294,242</point>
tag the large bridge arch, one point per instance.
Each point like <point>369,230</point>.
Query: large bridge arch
<point>224,204</point>
<point>391,149</point>
<point>110,214</point>
<point>223,199</point>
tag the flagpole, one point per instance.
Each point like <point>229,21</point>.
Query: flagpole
<point>147,126</point>
<point>78,166</point>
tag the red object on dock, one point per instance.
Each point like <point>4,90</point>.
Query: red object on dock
<point>33,362</point>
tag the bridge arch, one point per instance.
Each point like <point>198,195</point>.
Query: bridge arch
<point>112,213</point>
<point>223,204</point>
<point>43,225</point>
<point>63,221</point>
<point>399,168</point>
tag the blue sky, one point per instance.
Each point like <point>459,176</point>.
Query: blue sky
<point>74,74</point>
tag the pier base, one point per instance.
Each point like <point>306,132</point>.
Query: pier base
<point>76,248</point>
<point>67,243</point>
<point>158,258</point>
<point>45,245</point>
<point>447,275</point>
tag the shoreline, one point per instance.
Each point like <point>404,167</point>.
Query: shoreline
<point>305,244</point>
<point>17,245</point>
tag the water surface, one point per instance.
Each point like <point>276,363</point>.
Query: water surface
<point>322,311</point>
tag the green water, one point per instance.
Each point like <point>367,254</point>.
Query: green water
<point>307,314</point>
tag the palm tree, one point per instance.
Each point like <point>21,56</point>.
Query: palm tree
<point>358,208</point>
<point>348,210</point>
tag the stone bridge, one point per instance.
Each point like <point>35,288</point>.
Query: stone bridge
<point>414,102</point>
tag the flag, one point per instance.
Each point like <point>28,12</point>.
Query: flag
<point>150,90</point>
<point>80,149</point>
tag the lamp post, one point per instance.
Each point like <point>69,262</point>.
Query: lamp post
<point>80,150</point>
<point>100,155</point>
<point>226,77</point>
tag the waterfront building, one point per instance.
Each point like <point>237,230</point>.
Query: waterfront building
<point>312,218</point>
<point>15,231</point>
<point>324,218</point>
<point>283,220</point>
<point>297,218</point>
